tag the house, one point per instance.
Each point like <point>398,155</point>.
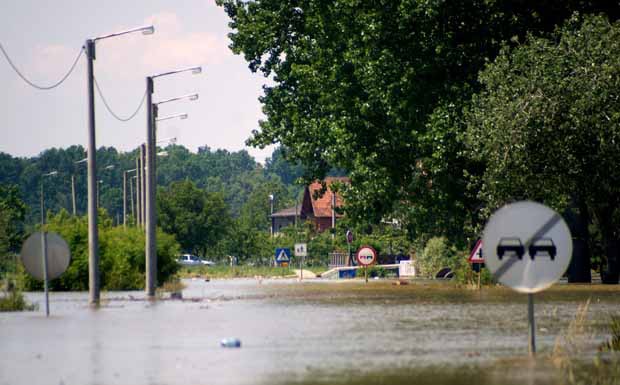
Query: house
<point>314,207</point>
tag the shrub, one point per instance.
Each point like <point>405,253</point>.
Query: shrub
<point>436,255</point>
<point>121,255</point>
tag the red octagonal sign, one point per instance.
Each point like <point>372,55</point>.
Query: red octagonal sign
<point>366,256</point>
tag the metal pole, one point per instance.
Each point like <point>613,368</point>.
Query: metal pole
<point>143,184</point>
<point>133,210</point>
<point>334,214</point>
<point>44,255</point>
<point>531,324</point>
<point>138,216</point>
<point>125,199</point>
<point>73,194</point>
<point>93,235</point>
<point>271,198</point>
<point>150,246</point>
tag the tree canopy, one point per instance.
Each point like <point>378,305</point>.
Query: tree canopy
<point>378,88</point>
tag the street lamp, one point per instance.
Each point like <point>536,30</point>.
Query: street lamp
<point>167,140</point>
<point>93,235</point>
<point>271,198</point>
<point>125,196</point>
<point>73,200</point>
<point>181,116</point>
<point>151,115</point>
<point>99,182</point>
<point>131,195</point>
<point>44,244</point>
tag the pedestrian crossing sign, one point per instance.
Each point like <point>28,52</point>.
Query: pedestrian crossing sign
<point>283,255</point>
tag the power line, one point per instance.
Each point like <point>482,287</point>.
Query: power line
<point>32,84</point>
<point>107,106</point>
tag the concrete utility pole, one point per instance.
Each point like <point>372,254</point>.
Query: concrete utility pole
<point>44,245</point>
<point>73,194</point>
<point>333,213</point>
<point>124,199</point>
<point>150,247</point>
<point>142,184</point>
<point>271,198</point>
<point>138,216</point>
<point>93,234</point>
<point>133,208</point>
<point>150,206</point>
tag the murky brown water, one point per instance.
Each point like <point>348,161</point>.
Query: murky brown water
<point>327,332</point>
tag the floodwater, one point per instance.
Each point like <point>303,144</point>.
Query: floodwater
<point>292,332</point>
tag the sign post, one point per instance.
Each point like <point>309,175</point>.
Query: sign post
<point>349,236</point>
<point>301,250</point>
<point>476,258</point>
<point>366,256</point>
<point>527,246</point>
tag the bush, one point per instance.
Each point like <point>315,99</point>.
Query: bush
<point>121,255</point>
<point>436,255</point>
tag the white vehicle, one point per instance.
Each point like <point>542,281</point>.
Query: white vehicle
<point>193,260</point>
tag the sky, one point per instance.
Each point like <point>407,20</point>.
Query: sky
<point>43,38</point>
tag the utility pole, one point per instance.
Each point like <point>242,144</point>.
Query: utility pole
<point>73,194</point>
<point>93,234</point>
<point>133,210</point>
<point>138,216</point>
<point>271,198</point>
<point>150,247</point>
<point>142,185</point>
<point>124,199</point>
<point>333,213</point>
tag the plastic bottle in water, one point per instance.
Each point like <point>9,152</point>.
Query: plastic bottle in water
<point>230,343</point>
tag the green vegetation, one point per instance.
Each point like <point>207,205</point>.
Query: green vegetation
<point>121,253</point>
<point>219,272</point>
<point>443,111</point>
<point>439,112</point>
<point>13,300</point>
<point>614,330</point>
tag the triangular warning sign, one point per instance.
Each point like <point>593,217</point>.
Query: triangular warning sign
<point>476,253</point>
<point>282,257</point>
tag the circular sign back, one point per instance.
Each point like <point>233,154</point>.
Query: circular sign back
<point>58,255</point>
<point>527,246</point>
<point>366,255</point>
<point>349,236</point>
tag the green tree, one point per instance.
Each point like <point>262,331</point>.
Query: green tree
<point>12,215</point>
<point>198,219</point>
<point>547,125</point>
<point>378,88</point>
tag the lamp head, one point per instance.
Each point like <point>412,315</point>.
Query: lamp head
<point>196,70</point>
<point>148,30</point>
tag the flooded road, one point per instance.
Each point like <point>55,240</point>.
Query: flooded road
<point>291,332</point>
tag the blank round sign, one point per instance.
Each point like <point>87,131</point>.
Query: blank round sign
<point>527,246</point>
<point>58,255</point>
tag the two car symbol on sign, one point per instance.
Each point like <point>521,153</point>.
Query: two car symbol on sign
<point>512,247</point>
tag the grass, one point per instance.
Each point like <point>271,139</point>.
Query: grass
<point>13,300</point>
<point>223,272</point>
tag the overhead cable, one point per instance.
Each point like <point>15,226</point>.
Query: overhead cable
<point>107,106</point>
<point>32,84</point>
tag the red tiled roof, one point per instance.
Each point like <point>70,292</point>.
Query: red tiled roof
<point>322,206</point>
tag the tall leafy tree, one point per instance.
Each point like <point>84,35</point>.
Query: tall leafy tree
<point>198,219</point>
<point>378,88</point>
<point>547,125</point>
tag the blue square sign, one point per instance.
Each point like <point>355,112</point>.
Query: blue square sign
<point>283,255</point>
